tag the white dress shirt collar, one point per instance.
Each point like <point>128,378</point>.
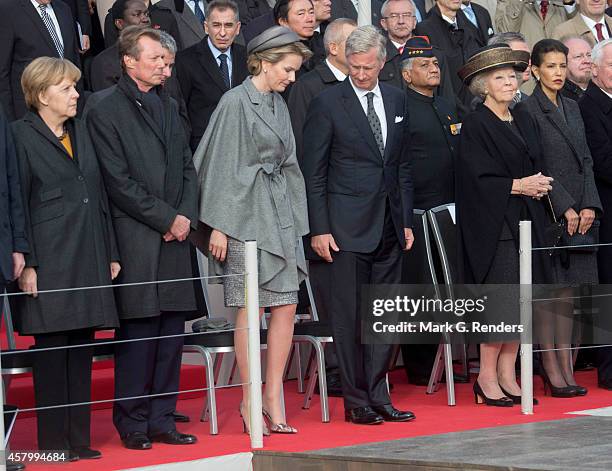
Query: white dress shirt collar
<point>379,105</point>
<point>609,94</point>
<point>51,14</point>
<point>216,52</point>
<point>340,76</point>
<point>591,25</point>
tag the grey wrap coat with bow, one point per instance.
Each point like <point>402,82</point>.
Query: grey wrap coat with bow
<point>251,187</point>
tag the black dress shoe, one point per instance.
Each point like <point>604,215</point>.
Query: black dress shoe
<point>391,414</point>
<point>137,441</point>
<point>69,457</point>
<point>86,453</point>
<point>14,466</point>
<point>334,386</point>
<point>605,384</point>
<point>174,437</point>
<point>180,417</point>
<point>363,416</point>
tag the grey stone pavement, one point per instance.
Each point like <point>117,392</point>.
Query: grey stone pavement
<point>576,444</point>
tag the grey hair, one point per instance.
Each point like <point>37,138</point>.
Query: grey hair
<point>598,51</point>
<point>222,5</point>
<point>167,42</point>
<point>384,6</point>
<point>334,33</point>
<point>408,63</point>
<point>506,38</point>
<point>364,38</point>
<point>478,85</point>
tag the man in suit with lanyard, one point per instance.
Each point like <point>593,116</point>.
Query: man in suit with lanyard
<point>359,188</point>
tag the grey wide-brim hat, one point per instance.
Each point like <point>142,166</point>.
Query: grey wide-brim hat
<point>276,36</point>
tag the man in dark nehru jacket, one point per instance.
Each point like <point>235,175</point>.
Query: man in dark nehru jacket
<point>152,184</point>
<point>434,141</point>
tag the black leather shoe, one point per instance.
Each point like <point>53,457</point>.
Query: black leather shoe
<point>363,416</point>
<point>14,466</point>
<point>86,453</point>
<point>174,437</point>
<point>180,417</point>
<point>137,441</point>
<point>605,384</point>
<point>70,457</point>
<point>391,414</point>
<point>334,387</point>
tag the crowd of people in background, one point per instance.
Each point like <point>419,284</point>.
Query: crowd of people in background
<point>315,127</point>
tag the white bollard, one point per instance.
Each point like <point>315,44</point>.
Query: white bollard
<point>252,308</point>
<point>526,351</point>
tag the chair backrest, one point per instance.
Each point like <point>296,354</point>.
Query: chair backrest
<point>418,263</point>
<point>444,228</point>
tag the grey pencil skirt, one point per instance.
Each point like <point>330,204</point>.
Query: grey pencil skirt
<point>233,287</point>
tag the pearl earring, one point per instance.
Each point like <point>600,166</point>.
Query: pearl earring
<point>265,71</point>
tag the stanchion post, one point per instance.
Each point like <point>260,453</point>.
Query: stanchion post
<point>525,261</point>
<point>252,307</point>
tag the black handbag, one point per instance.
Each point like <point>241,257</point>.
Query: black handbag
<point>554,231</point>
<point>577,241</point>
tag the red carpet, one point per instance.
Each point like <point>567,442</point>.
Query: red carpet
<point>433,417</point>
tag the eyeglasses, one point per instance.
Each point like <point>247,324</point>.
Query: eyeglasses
<point>397,16</point>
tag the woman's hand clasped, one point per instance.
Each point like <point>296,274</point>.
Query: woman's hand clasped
<point>28,282</point>
<point>115,268</point>
<point>536,186</point>
<point>218,245</point>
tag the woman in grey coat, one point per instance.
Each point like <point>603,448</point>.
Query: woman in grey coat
<point>251,188</point>
<point>574,198</point>
<point>72,245</point>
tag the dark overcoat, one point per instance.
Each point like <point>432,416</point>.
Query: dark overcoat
<point>69,228</point>
<point>12,220</point>
<point>566,154</point>
<point>150,179</point>
<point>596,110</point>
<point>492,154</point>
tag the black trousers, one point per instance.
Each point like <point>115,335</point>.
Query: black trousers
<point>148,367</point>
<point>362,367</point>
<point>63,376</point>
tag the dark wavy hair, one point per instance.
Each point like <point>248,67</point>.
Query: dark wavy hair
<point>544,47</point>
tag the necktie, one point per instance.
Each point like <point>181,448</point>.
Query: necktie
<point>470,15</point>
<point>401,49</point>
<point>224,69</point>
<point>51,28</point>
<point>375,123</point>
<point>364,12</point>
<point>198,11</point>
<point>598,28</point>
<point>544,8</point>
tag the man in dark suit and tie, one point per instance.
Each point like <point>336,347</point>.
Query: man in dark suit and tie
<point>479,17</point>
<point>31,29</point>
<point>348,9</point>
<point>596,109</point>
<point>188,25</point>
<point>398,20</point>
<point>208,69</point>
<point>328,73</point>
<point>359,188</point>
